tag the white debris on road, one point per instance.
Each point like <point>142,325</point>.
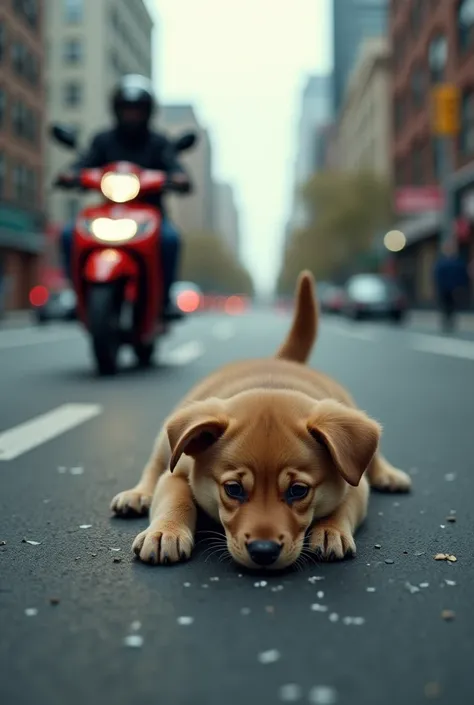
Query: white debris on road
<point>270,656</point>
<point>133,641</point>
<point>185,621</point>
<point>315,607</point>
<point>85,526</point>
<point>290,693</point>
<point>322,695</point>
<point>315,578</point>
<point>31,612</point>
<point>412,589</point>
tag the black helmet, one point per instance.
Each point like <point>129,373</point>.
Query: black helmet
<point>133,91</point>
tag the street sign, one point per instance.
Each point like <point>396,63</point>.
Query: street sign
<point>446,110</point>
<point>419,199</point>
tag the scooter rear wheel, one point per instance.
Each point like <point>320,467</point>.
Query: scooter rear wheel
<point>103,315</point>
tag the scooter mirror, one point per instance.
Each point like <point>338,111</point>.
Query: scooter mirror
<point>64,134</point>
<point>186,141</point>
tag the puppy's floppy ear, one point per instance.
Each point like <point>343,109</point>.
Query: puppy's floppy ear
<point>350,436</point>
<point>195,428</point>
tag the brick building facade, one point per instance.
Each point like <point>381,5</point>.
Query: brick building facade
<point>21,148</point>
<point>432,42</point>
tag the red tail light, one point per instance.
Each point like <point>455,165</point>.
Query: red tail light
<point>39,296</point>
<point>188,301</point>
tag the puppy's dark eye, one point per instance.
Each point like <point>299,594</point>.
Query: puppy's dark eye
<point>296,491</point>
<point>235,491</point>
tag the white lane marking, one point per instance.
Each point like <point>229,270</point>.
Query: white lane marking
<point>41,429</point>
<point>184,354</point>
<point>353,332</point>
<point>224,330</point>
<point>451,347</point>
<point>36,338</point>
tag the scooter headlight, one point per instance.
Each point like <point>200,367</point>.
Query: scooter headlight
<point>120,188</point>
<point>109,230</point>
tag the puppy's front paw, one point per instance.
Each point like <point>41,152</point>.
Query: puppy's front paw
<point>131,503</point>
<point>331,543</point>
<point>164,542</point>
<point>391,480</point>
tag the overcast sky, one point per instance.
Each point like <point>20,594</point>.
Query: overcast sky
<point>243,64</point>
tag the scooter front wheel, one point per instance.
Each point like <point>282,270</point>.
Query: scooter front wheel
<point>103,317</point>
<point>144,353</point>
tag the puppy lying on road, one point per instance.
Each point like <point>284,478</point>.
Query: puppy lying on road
<point>269,448</point>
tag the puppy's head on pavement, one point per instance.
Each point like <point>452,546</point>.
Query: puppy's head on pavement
<point>269,462</point>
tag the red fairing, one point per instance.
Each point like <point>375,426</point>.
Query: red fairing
<point>137,261</point>
<point>109,265</point>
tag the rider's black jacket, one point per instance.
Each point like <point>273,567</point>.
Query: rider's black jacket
<point>151,151</point>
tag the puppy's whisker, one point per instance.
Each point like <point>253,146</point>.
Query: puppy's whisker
<point>216,553</point>
<point>221,534</point>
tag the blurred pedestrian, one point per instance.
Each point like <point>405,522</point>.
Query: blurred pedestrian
<point>451,276</point>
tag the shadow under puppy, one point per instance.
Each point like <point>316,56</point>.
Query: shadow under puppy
<point>270,449</point>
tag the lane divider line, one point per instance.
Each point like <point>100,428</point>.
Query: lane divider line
<point>42,339</point>
<point>223,331</point>
<point>33,433</point>
<point>184,354</point>
<point>450,347</point>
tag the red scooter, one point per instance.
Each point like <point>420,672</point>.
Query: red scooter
<point>116,270</point>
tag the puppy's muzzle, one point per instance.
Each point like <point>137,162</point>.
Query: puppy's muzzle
<point>264,553</point>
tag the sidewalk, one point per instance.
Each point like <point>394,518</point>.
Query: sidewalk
<point>16,319</point>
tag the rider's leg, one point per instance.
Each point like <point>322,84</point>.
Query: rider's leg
<point>170,251</point>
<point>66,248</point>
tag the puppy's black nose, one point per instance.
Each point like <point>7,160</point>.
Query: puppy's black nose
<point>264,552</point>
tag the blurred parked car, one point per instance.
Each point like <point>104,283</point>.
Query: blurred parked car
<point>331,298</point>
<point>58,305</point>
<point>374,296</point>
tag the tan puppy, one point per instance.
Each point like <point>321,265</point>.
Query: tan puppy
<point>269,448</point>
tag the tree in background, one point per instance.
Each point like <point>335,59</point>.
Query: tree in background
<point>210,263</point>
<point>345,211</point>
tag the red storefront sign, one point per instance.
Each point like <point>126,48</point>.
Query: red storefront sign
<point>419,199</point>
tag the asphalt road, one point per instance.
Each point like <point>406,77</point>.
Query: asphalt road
<point>242,643</point>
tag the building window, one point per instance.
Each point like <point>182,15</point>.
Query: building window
<point>417,166</point>
<point>416,16</point>
<point>3,107</point>
<point>438,57</point>
<point>3,40</point>
<point>72,94</point>
<point>467,123</point>
<point>417,86</point>
<point>74,11</point>
<point>31,186</point>
<point>27,9</point>
<point>72,51</point>
<point>466,24</point>
<point>3,174</point>
<point>24,122</point>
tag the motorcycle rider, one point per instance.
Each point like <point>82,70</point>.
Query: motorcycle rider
<point>131,139</point>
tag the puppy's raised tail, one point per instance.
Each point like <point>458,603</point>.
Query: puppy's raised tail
<point>304,328</point>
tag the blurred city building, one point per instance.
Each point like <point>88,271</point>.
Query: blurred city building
<point>226,216</point>
<point>353,21</point>
<point>364,130</point>
<point>91,44</point>
<point>195,212</point>
<point>433,45</point>
<point>21,149</point>
<point>315,111</point>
